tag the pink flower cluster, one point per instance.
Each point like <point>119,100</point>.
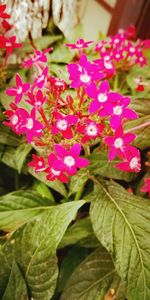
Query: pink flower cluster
<point>7,42</point>
<point>122,51</point>
<point>64,125</point>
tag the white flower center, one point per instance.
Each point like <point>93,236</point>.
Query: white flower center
<point>62,124</point>
<point>102,97</point>
<point>141,59</point>
<point>117,110</point>
<point>91,130</point>
<point>59,83</point>
<point>79,45</point>
<point>134,163</point>
<point>40,164</point>
<point>107,57</point>
<point>117,55</point>
<point>8,44</point>
<point>19,90</point>
<point>41,78</point>
<point>116,41</point>
<point>29,124</point>
<point>14,119</point>
<point>55,172</point>
<point>118,143</point>
<point>132,49</point>
<point>107,65</point>
<point>69,161</point>
<point>85,78</point>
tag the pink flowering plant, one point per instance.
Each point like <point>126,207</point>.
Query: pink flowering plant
<point>75,140</point>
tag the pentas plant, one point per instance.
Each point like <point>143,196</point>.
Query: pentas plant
<point>68,121</point>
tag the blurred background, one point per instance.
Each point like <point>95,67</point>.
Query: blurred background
<point>30,17</point>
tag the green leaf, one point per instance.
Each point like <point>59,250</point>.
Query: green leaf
<point>121,223</point>
<point>44,191</point>
<point>55,185</point>
<point>78,232</point>
<point>61,54</point>
<point>100,165</point>
<point>15,157</point>
<point>77,182</point>
<point>21,153</point>
<point>141,127</point>
<point>16,288</point>
<point>34,245</point>
<point>19,207</point>
<point>74,256</point>
<point>92,278</point>
<point>7,137</point>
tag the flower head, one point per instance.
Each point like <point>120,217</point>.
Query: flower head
<point>70,159</point>
<point>146,187</point>
<point>19,90</point>
<point>132,162</point>
<point>80,44</point>
<point>63,124</point>
<point>38,163</point>
<point>90,129</point>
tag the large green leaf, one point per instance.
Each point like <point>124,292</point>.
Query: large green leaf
<point>16,288</point>
<point>121,223</point>
<point>92,278</point>
<point>100,165</point>
<point>19,207</point>
<point>34,245</point>
<point>55,185</point>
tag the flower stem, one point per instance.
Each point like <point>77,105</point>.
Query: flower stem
<point>138,127</point>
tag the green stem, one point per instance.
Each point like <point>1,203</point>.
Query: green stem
<point>116,81</point>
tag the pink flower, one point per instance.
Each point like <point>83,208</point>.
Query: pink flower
<point>100,96</point>
<point>16,118</point>
<point>117,109</point>
<point>19,90</point>
<point>80,44</point>
<point>83,73</point>
<point>36,100</point>
<point>146,187</point>
<point>54,170</point>
<point>3,15</point>
<point>132,162</point>
<point>90,129</point>
<point>9,44</point>
<point>41,79</point>
<point>63,124</point>
<point>117,55</point>
<point>38,57</point>
<point>70,158</point>
<point>30,126</point>
<point>38,163</point>
<point>106,66</point>
<point>118,143</point>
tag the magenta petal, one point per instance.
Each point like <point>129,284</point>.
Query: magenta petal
<point>123,166</point>
<point>63,178</point>
<point>26,87</point>
<point>18,98</point>
<point>104,87</point>
<point>11,92</point>
<point>112,153</point>
<point>71,119</point>
<point>18,80</point>
<point>94,106</point>
<point>82,162</point>
<point>72,171</point>
<point>60,151</point>
<point>51,158</point>
<point>109,140</point>
<point>129,137</point>
<point>67,134</point>
<point>115,122</point>
<point>75,150</point>
<point>114,97</point>
<point>92,91</point>
<point>54,130</point>
<point>129,114</point>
